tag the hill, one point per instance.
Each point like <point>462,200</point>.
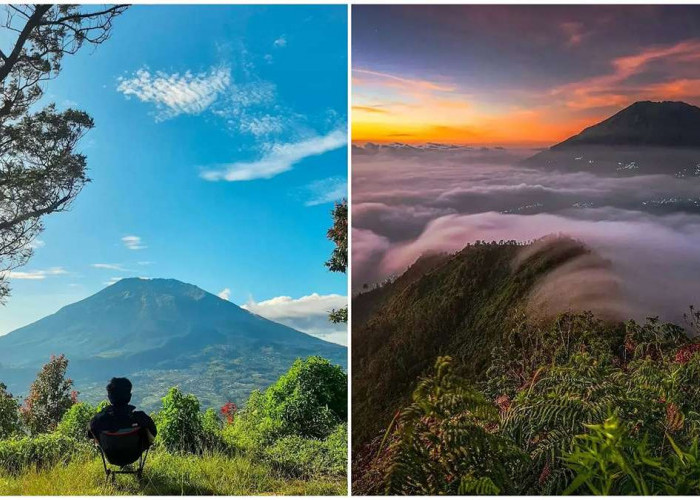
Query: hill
<point>461,305</point>
<point>160,333</point>
<point>644,138</point>
<point>504,369</point>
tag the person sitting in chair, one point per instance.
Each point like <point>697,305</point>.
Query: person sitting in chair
<point>120,415</point>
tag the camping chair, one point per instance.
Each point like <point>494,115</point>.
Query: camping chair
<point>123,448</point>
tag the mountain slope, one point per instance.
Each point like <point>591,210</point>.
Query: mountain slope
<point>644,138</point>
<point>461,305</point>
<point>159,332</point>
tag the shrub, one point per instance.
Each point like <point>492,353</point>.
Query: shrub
<point>212,427</point>
<point>607,461</point>
<point>309,401</point>
<point>9,413</point>
<point>74,423</point>
<point>44,450</point>
<point>303,457</point>
<point>179,422</point>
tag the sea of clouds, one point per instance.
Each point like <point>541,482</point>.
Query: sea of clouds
<point>407,203</point>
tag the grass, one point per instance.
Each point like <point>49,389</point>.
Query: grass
<point>167,474</point>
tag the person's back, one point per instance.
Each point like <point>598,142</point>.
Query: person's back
<point>120,416</point>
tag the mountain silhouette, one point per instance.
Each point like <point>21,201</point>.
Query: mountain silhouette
<point>644,138</point>
<point>159,332</point>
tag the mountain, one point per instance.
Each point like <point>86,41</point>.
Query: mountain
<point>644,138</point>
<point>159,333</point>
<point>461,305</point>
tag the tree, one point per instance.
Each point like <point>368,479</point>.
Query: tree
<point>50,397</point>
<point>338,261</point>
<point>40,170</point>
<point>9,413</point>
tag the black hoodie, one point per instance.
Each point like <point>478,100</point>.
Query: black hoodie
<point>118,417</point>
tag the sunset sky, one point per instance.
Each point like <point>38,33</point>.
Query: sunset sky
<point>514,75</point>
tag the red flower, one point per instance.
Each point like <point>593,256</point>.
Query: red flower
<point>228,411</point>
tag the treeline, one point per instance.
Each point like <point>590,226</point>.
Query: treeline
<point>298,425</point>
<point>577,407</point>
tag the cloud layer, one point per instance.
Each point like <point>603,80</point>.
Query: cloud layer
<point>308,314</point>
<point>407,205</point>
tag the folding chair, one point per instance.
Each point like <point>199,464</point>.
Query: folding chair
<point>123,448</point>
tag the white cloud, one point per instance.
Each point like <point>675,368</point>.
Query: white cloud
<point>113,267</point>
<point>112,281</point>
<point>261,125</point>
<point>327,191</point>
<point>225,294</point>
<point>175,94</point>
<point>145,262</point>
<point>38,274</point>
<point>133,242</point>
<point>280,158</point>
<point>308,314</point>
<point>280,42</point>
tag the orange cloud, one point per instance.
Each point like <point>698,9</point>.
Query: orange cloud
<point>612,88</point>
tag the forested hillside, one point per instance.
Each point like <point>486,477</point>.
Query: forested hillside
<point>459,386</point>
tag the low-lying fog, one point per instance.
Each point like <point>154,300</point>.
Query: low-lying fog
<point>406,203</point>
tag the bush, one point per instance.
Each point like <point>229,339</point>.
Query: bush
<point>309,401</point>
<point>74,423</point>
<point>304,457</point>
<point>44,450</point>
<point>212,427</point>
<point>9,413</point>
<point>180,423</point>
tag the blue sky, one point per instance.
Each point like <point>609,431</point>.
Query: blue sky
<point>219,147</point>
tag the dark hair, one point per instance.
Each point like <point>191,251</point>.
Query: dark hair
<point>119,391</point>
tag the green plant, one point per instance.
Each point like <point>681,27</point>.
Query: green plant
<point>309,401</point>
<point>74,423</point>
<point>304,457</point>
<point>180,423</point>
<point>9,413</point>
<point>40,451</point>
<point>446,441</point>
<point>608,461</point>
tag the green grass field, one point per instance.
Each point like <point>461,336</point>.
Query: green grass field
<point>168,474</point>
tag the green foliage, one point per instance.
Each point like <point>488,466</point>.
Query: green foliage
<point>446,441</point>
<point>304,457</point>
<point>463,305</point>
<point>180,423</point>
<point>608,461</point>
<point>309,401</point>
<point>212,430</point>
<point>9,413</point>
<point>338,262</point>
<point>74,423</point>
<point>50,397</point>
<point>39,451</point>
<point>547,384</point>
<point>40,170</point>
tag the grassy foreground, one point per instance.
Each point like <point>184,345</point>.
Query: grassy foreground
<point>169,474</point>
